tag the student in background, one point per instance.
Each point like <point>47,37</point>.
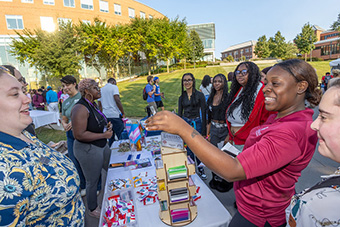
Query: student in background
<point>158,94</point>
<point>275,153</point>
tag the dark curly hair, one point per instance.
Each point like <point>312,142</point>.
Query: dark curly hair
<point>193,100</point>
<point>302,71</point>
<point>248,95</point>
<point>213,90</point>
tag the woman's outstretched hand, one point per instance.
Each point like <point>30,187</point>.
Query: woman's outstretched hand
<point>166,121</point>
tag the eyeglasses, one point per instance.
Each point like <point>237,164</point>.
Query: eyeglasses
<point>243,72</point>
<point>187,81</point>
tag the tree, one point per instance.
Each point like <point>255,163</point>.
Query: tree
<point>103,45</point>
<point>53,54</point>
<point>278,45</point>
<point>262,47</point>
<point>171,37</point>
<point>305,40</point>
<point>336,24</point>
<point>292,50</point>
<point>197,48</point>
<point>147,38</point>
<point>230,58</point>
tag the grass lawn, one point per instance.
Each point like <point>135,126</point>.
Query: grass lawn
<point>170,83</point>
<point>46,135</point>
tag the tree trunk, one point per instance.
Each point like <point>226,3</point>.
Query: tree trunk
<point>305,56</point>
<point>167,65</point>
<point>185,63</point>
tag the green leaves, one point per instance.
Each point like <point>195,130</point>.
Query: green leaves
<point>306,39</point>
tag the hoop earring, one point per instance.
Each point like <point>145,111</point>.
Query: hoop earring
<point>91,99</point>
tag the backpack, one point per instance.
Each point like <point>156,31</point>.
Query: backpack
<point>145,95</point>
<point>327,78</point>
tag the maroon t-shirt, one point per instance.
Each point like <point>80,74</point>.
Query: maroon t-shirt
<point>274,155</point>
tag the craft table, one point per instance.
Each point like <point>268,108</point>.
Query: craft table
<point>211,212</point>
<point>42,118</point>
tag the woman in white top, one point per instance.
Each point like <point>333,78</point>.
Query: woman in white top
<point>206,86</point>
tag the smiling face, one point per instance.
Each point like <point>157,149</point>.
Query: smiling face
<point>69,89</point>
<point>14,114</point>
<point>283,93</point>
<point>327,124</point>
<point>188,82</point>
<point>242,76</point>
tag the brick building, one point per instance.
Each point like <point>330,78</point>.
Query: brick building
<point>328,45</point>
<point>245,49</point>
<point>16,15</point>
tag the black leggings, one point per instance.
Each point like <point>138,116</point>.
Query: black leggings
<point>238,220</point>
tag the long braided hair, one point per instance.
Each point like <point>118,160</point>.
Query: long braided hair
<point>248,95</point>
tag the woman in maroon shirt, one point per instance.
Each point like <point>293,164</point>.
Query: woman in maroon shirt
<point>274,154</point>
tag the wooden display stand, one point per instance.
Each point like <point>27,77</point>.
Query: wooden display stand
<point>175,191</point>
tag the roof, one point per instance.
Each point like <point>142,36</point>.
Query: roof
<point>240,45</point>
<point>327,40</point>
<point>316,27</point>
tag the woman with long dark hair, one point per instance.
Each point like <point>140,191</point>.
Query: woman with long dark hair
<point>245,103</point>
<point>217,129</point>
<point>275,153</point>
<point>190,103</point>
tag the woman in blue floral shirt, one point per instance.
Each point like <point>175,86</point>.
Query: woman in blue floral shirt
<point>38,186</point>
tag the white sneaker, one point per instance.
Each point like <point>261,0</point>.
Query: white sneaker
<point>83,192</point>
<point>98,192</point>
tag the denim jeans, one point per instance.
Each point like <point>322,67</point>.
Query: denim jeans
<point>117,127</point>
<point>196,123</point>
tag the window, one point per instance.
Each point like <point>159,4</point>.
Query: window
<point>118,9</point>
<point>86,4</point>
<point>64,20</point>
<point>14,22</point>
<point>69,3</point>
<point>247,50</point>
<point>49,2</point>
<point>27,1</point>
<point>142,15</point>
<point>150,17</point>
<point>131,13</point>
<point>47,24</point>
<point>104,6</point>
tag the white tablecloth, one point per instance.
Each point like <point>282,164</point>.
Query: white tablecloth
<point>42,118</point>
<point>210,211</point>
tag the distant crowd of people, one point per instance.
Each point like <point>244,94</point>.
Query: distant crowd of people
<point>265,115</point>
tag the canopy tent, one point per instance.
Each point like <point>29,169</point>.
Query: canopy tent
<point>335,64</point>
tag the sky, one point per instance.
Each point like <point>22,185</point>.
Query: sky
<point>238,21</point>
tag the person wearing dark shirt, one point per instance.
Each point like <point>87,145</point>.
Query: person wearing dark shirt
<point>190,103</point>
<point>217,128</point>
<point>91,130</point>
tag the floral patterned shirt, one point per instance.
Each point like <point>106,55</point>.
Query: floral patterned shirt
<point>38,186</point>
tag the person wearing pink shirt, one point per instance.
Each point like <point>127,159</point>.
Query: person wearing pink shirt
<point>274,154</point>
